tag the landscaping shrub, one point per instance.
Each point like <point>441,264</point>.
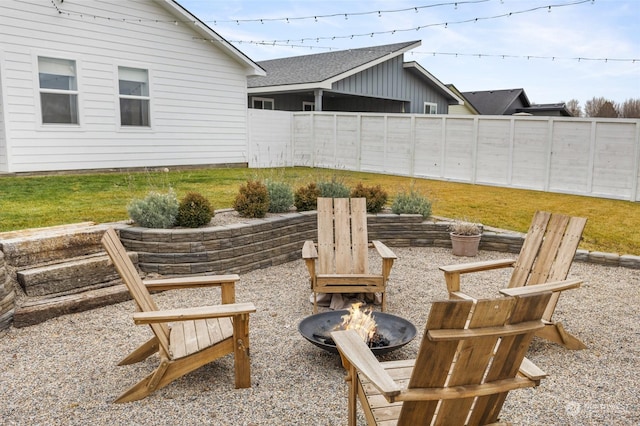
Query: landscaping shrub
<point>194,211</point>
<point>411,202</point>
<point>333,189</point>
<point>156,210</point>
<point>252,199</point>
<point>375,195</point>
<point>306,197</point>
<point>280,196</point>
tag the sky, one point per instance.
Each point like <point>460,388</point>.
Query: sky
<point>574,49</point>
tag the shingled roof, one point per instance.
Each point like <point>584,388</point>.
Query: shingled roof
<point>496,102</point>
<point>324,67</point>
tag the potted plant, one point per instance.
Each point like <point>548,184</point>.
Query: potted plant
<point>465,237</point>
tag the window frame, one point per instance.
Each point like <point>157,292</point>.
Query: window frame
<point>309,104</point>
<point>432,107</point>
<point>69,92</point>
<point>263,100</point>
<point>147,98</point>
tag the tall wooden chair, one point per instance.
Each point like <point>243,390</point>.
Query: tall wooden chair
<point>340,263</point>
<point>199,336</point>
<point>472,354</point>
<point>542,265</point>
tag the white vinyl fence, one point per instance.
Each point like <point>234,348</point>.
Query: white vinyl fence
<point>584,156</point>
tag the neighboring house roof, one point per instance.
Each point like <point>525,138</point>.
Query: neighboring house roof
<point>322,69</point>
<point>540,109</point>
<point>208,34</point>
<point>497,102</point>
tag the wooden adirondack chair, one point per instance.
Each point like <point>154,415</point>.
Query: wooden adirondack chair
<point>472,354</point>
<point>542,265</point>
<point>340,264</point>
<point>199,336</point>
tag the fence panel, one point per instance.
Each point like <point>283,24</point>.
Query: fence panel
<point>595,157</point>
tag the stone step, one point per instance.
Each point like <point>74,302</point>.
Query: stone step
<point>53,244</point>
<point>73,273</point>
<point>31,312</point>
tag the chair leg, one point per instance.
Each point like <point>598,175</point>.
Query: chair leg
<point>242,362</point>
<point>556,333</point>
<point>143,352</point>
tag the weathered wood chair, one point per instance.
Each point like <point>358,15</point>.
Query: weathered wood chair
<point>340,263</point>
<point>542,265</point>
<point>199,336</point>
<point>472,354</point>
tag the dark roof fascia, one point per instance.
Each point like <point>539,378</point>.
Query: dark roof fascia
<point>207,33</point>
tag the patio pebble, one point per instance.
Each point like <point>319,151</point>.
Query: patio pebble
<point>64,371</point>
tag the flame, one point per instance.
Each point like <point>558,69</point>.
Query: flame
<point>361,321</point>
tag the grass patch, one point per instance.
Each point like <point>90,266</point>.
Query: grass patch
<point>38,201</point>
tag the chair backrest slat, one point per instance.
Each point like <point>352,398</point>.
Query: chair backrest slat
<point>342,236</point>
<point>477,360</point>
<point>548,250</point>
<point>136,287</point>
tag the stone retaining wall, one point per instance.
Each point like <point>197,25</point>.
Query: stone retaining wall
<point>237,248</point>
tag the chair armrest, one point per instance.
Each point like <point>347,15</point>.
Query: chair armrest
<point>309,250</point>
<point>452,272</point>
<point>384,251</point>
<point>486,265</point>
<point>203,312</point>
<point>189,282</point>
<point>531,371</point>
<point>358,354</point>
<point>554,287</point>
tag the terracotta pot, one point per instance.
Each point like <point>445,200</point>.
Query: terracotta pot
<point>465,245</point>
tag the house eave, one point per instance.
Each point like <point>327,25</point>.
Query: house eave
<point>290,88</point>
<point>439,85</point>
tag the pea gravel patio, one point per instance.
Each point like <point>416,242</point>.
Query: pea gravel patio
<point>64,372</point>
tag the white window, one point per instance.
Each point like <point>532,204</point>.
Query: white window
<point>308,106</point>
<point>430,108</point>
<point>262,103</point>
<point>58,90</point>
<point>134,96</point>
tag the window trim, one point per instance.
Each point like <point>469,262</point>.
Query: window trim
<point>432,106</point>
<point>38,92</point>
<point>257,98</point>
<point>308,103</point>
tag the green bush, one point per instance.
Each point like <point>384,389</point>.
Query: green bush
<point>411,202</point>
<point>252,199</point>
<point>280,196</point>
<point>155,210</point>
<point>375,195</point>
<point>333,189</point>
<point>306,197</point>
<point>194,211</point>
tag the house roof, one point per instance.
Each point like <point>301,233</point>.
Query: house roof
<point>560,108</point>
<point>175,8</point>
<point>496,102</point>
<point>322,69</point>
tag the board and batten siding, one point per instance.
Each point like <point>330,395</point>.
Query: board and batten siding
<point>389,80</point>
<point>197,91</point>
<point>586,156</point>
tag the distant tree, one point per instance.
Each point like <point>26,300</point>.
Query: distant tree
<point>630,108</point>
<point>573,106</point>
<point>600,107</point>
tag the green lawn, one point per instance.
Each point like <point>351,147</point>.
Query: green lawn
<point>38,201</point>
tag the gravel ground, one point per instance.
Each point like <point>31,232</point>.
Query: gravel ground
<point>64,372</point>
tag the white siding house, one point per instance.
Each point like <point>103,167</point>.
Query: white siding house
<point>95,84</point>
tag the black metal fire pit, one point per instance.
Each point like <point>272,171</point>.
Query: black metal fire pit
<point>317,329</point>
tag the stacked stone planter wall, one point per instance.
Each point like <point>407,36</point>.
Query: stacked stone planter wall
<point>60,270</point>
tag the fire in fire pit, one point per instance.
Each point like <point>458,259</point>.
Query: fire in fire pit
<point>381,331</point>
<point>363,323</point>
